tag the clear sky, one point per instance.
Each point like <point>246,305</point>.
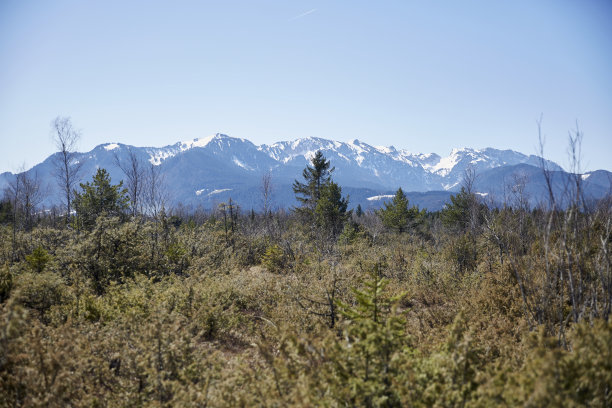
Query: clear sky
<point>426,76</point>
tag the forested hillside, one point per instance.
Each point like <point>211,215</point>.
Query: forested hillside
<point>124,302</point>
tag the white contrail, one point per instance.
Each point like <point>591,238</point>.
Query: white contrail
<point>303,14</point>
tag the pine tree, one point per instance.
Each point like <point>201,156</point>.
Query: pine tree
<point>359,211</point>
<point>331,207</point>
<point>371,359</point>
<point>397,216</point>
<point>315,177</point>
<point>99,197</point>
<point>321,198</point>
<point>462,213</point>
<point>38,259</point>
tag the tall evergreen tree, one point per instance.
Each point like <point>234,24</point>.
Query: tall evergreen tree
<point>308,193</point>
<point>99,197</point>
<point>322,203</point>
<point>331,211</point>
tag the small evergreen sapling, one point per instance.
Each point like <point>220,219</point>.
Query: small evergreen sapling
<point>38,259</point>
<point>373,356</point>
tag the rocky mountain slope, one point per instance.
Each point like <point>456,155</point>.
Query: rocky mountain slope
<point>209,170</point>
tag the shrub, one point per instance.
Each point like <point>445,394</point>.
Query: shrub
<point>40,291</point>
<point>274,259</point>
<point>38,259</point>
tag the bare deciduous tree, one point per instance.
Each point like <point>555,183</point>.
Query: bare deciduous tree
<point>574,151</point>
<point>67,168</point>
<point>468,183</point>
<point>12,192</point>
<point>155,196</point>
<point>266,193</point>
<point>31,196</point>
<point>24,194</point>
<point>518,198</point>
<point>230,212</point>
<point>546,168</point>
<point>134,171</point>
<point>266,201</point>
<point>575,246</point>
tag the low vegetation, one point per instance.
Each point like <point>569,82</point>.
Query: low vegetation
<point>473,306</point>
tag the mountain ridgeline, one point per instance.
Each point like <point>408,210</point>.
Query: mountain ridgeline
<point>207,171</point>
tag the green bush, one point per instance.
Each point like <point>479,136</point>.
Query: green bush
<point>40,291</point>
<point>274,259</point>
<point>38,259</point>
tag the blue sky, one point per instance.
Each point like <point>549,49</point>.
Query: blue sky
<point>426,76</point>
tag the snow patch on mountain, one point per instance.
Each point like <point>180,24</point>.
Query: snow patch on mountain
<point>197,142</point>
<point>380,197</point>
<point>342,156</point>
<point>385,149</point>
<point>355,146</point>
<point>450,186</point>
<point>406,157</point>
<point>218,191</point>
<point>241,164</point>
<point>157,156</point>
<point>444,166</point>
<point>221,190</point>
<point>111,146</point>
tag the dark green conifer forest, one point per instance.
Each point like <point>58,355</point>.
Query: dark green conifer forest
<point>120,304</point>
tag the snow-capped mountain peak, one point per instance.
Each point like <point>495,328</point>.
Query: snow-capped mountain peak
<point>355,160</point>
<point>157,155</point>
<point>218,138</point>
<point>385,149</point>
<point>220,164</point>
<point>198,142</point>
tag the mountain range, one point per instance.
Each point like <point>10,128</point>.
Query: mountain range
<point>207,171</point>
